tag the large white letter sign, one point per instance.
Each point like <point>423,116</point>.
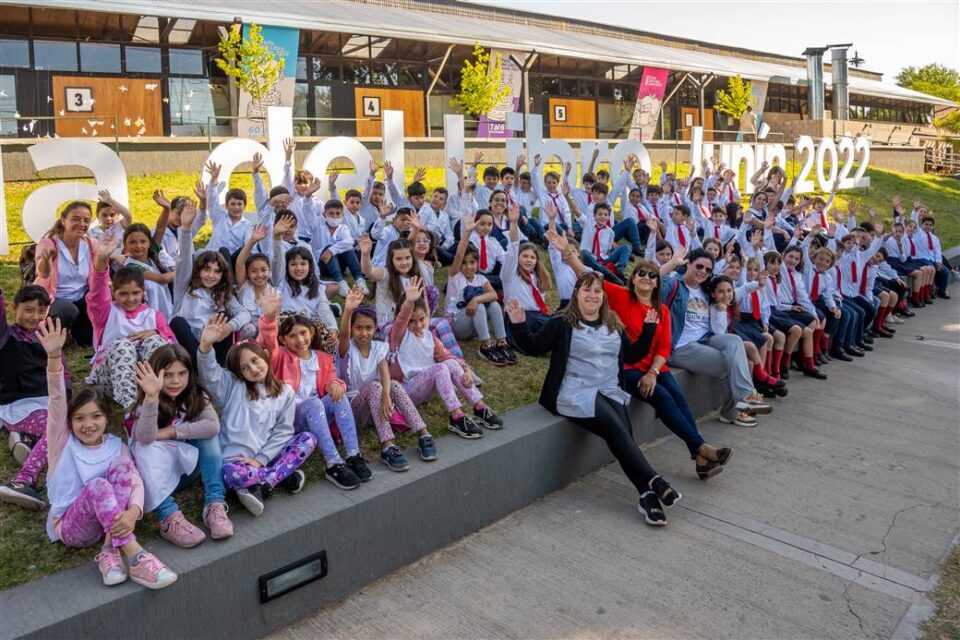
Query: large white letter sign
<point>40,208</point>
<point>232,153</point>
<point>392,142</point>
<point>620,152</point>
<point>546,150</point>
<point>330,149</point>
<point>453,147</point>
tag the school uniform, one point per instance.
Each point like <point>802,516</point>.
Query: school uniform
<point>492,255</point>
<point>525,290</point>
<point>226,234</point>
<point>754,314</point>
<point>599,247</point>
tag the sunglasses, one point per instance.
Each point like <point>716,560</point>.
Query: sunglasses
<point>642,273</point>
<point>702,267</point>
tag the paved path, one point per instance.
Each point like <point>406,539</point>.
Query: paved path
<point>829,523</point>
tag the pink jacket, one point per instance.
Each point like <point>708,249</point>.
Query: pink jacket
<point>286,365</point>
<point>50,283</point>
<point>100,304</point>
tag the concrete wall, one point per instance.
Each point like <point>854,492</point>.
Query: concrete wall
<point>389,522</point>
<point>161,155</point>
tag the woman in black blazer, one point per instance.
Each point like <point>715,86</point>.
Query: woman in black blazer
<point>583,382</point>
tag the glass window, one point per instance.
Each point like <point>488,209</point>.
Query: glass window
<point>301,96</point>
<point>301,68</point>
<point>8,105</point>
<point>99,58</point>
<point>385,74</point>
<point>143,59</point>
<point>410,75</point>
<point>14,53</point>
<point>55,56</point>
<point>323,108</point>
<point>325,70</point>
<point>189,61</point>
<point>193,101</point>
<point>357,73</point>
<point>614,119</point>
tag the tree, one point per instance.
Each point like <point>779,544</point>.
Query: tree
<point>250,63</point>
<point>935,80</point>
<point>481,83</point>
<point>735,100</point>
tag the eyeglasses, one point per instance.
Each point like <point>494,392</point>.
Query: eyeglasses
<point>642,273</point>
<point>702,267</point>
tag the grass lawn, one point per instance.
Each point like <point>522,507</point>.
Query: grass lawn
<point>945,622</point>
<point>25,553</point>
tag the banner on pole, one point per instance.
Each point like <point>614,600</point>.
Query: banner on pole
<point>285,43</point>
<point>653,85</point>
<point>494,124</point>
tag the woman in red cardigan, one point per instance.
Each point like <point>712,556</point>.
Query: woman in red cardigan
<point>64,262</point>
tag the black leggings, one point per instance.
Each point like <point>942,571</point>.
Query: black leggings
<point>73,317</point>
<point>184,334</point>
<point>611,422</point>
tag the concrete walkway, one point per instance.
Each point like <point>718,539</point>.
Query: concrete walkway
<point>830,522</point>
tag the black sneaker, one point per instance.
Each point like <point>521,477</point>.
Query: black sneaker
<point>428,450</point>
<point>509,356</point>
<point>252,499</point>
<point>668,495</point>
<point>393,458</point>
<point>359,467</point>
<point>342,477</point>
<point>489,418</point>
<point>491,355</point>
<point>295,482</point>
<point>651,509</point>
<point>464,428</point>
<point>22,495</point>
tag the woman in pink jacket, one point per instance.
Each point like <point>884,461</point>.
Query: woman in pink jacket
<point>64,261</point>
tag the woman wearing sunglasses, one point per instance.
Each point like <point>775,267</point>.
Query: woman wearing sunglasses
<point>583,382</point>
<point>646,375</point>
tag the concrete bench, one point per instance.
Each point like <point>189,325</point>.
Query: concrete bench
<point>390,522</point>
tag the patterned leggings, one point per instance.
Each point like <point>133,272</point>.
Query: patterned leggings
<point>443,378</point>
<point>116,374</point>
<point>366,407</point>
<point>90,516</point>
<point>35,425</point>
<point>440,328</point>
<point>240,475</point>
<point>316,414</point>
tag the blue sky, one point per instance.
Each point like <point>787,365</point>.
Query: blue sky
<point>889,35</point>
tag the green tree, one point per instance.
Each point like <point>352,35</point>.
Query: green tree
<point>735,100</point>
<point>481,83</point>
<point>936,80</point>
<point>251,64</point>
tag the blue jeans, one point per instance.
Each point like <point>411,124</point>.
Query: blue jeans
<point>620,256</point>
<point>670,405</point>
<point>209,463</point>
<point>316,414</point>
<point>627,228</point>
<point>334,268</point>
<point>532,228</point>
<point>854,334</point>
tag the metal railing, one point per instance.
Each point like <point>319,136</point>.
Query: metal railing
<point>30,122</point>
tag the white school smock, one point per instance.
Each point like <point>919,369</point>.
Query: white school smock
<point>78,465</point>
<point>592,368</point>
<point>161,465</point>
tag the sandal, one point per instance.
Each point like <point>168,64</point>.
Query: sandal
<point>723,455</point>
<point>709,470</point>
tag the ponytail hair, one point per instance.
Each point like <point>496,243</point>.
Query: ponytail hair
<point>58,227</point>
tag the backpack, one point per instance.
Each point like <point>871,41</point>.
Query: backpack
<point>28,264</point>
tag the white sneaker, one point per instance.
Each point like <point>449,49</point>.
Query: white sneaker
<point>343,289</point>
<point>363,285</point>
<point>894,320</point>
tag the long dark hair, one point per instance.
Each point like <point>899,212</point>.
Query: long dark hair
<point>58,227</point>
<point>223,291</point>
<point>191,401</point>
<point>152,251</point>
<point>311,282</point>
<point>647,265</point>
<point>734,308</point>
<point>85,396</point>
<point>572,314</point>
<point>395,282</point>
<point>272,384</point>
<point>288,323</point>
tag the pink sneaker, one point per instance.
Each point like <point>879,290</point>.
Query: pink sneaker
<point>112,567</point>
<point>215,517</point>
<point>180,532</point>
<point>150,572</point>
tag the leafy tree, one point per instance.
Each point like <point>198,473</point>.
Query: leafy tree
<point>935,80</point>
<point>481,84</point>
<point>250,62</point>
<point>735,100</point>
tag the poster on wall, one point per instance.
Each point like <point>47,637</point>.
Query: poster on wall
<point>653,85</point>
<point>284,42</point>
<point>758,91</point>
<point>494,124</point>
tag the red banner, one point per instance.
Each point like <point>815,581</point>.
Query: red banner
<point>653,85</point>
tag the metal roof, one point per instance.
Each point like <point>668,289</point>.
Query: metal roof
<point>403,22</point>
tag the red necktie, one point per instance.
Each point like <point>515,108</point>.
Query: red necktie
<point>776,289</point>
<point>837,269</point>
<point>596,239</point>
<point>656,211</point>
<point>730,319</point>
<point>863,281</point>
<point>913,247</point>
<point>716,232</point>
<point>483,253</point>
<point>683,239</point>
<point>640,216</point>
<point>793,283</point>
<point>823,220</point>
<point>538,298</point>
<point>705,211</point>
<point>555,197</point>
<point>755,301</point>
<point>730,192</point>
<point>929,241</point>
<point>589,197</point>
<point>853,271</point>
<point>815,289</point>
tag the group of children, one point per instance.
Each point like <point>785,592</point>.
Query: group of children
<point>232,365</point>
